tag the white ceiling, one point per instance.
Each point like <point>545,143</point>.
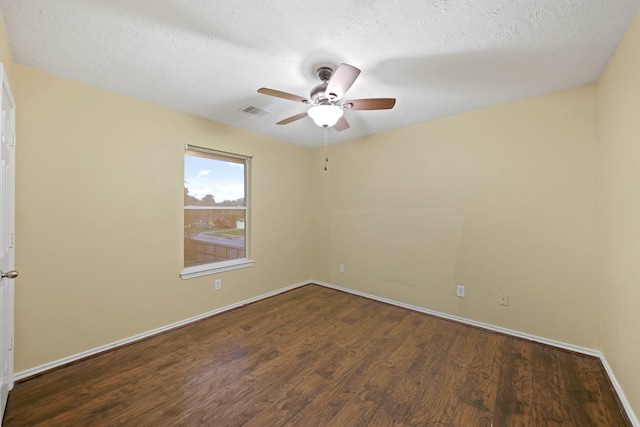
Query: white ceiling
<point>208,58</point>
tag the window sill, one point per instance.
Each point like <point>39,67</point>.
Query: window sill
<point>218,267</point>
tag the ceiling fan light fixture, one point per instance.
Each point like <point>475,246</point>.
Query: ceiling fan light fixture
<point>325,115</point>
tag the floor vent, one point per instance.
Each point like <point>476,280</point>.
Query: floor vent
<point>254,111</point>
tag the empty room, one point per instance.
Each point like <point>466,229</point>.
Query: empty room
<point>392,213</point>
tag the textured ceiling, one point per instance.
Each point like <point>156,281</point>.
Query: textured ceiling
<point>208,58</point>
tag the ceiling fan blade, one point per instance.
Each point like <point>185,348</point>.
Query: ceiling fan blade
<point>341,124</point>
<point>292,118</point>
<point>280,94</point>
<point>370,104</point>
<point>341,81</point>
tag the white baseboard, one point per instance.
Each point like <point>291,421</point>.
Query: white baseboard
<point>487,326</point>
<point>582,350</point>
<point>618,388</point>
<point>70,359</point>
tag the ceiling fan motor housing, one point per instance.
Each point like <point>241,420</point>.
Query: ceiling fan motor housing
<point>318,93</point>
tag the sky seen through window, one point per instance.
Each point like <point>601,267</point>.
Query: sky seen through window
<point>223,180</point>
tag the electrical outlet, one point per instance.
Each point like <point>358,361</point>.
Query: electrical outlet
<point>460,291</point>
<point>341,268</point>
<point>503,299</point>
<point>218,284</point>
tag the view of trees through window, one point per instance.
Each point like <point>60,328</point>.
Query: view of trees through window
<point>214,208</point>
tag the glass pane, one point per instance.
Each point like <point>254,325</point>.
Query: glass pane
<point>213,182</point>
<point>213,235</point>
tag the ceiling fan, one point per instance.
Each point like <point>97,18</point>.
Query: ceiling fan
<point>326,98</point>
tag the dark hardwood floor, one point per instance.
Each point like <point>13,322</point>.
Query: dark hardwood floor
<point>319,357</point>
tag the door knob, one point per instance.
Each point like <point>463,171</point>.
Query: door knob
<point>9,274</point>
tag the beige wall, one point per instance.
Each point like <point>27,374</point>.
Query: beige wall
<point>5,53</point>
<point>619,156</point>
<point>99,217</point>
<point>500,200</point>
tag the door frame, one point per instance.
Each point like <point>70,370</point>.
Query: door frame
<point>7,331</point>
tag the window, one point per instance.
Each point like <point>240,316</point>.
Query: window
<point>216,211</point>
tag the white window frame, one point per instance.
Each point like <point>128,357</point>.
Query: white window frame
<point>232,264</point>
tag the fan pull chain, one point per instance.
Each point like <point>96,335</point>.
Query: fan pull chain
<point>326,137</point>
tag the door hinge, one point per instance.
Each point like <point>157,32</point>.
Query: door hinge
<point>12,240</point>
<point>11,342</point>
<point>13,140</point>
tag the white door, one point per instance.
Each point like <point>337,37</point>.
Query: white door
<point>7,214</point>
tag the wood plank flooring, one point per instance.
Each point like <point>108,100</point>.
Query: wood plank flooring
<point>319,357</point>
